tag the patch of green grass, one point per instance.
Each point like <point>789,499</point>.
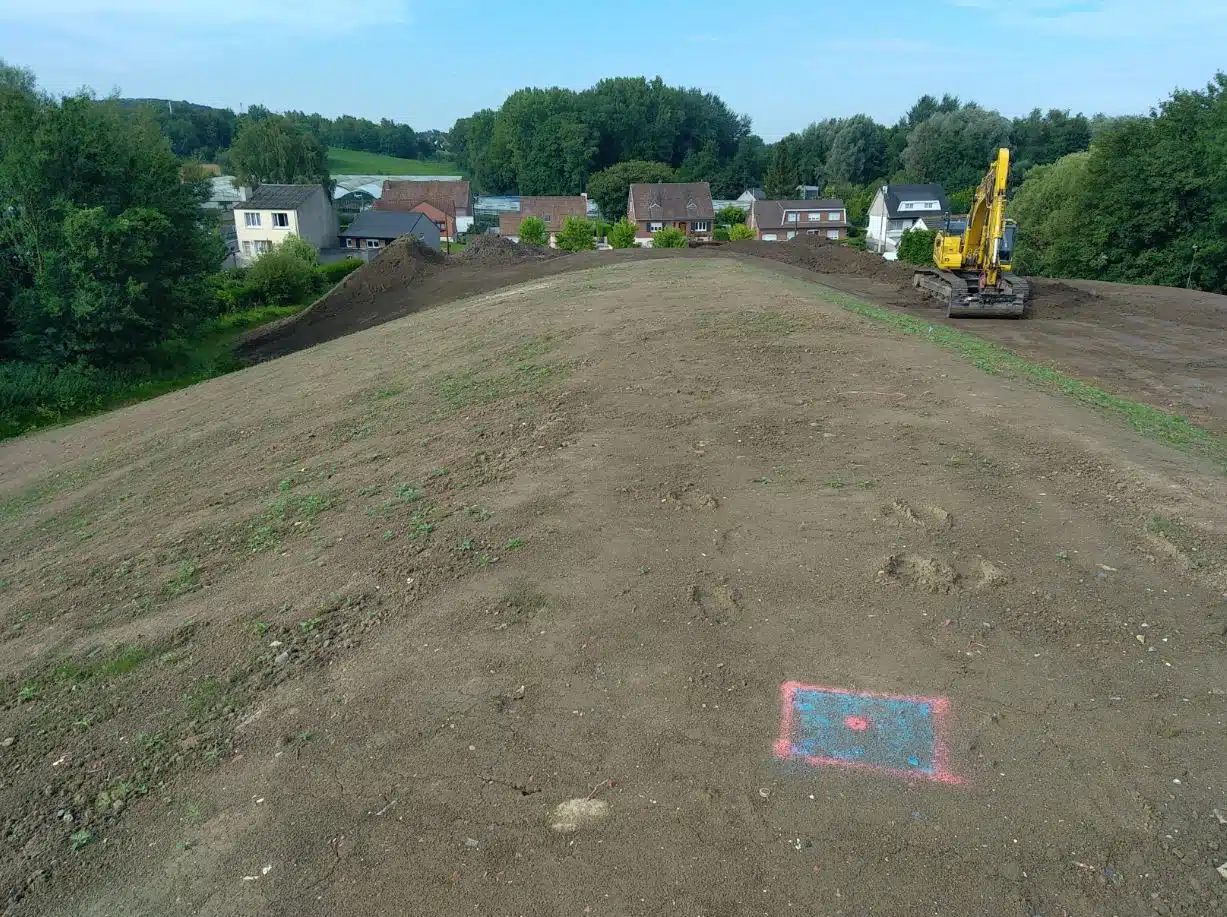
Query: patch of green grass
<point>996,360</point>
<point>206,695</point>
<point>477,513</point>
<point>185,581</point>
<point>439,473</point>
<point>836,484</point>
<point>369,491</point>
<point>513,543</point>
<point>260,628</point>
<point>357,162</point>
<point>466,545</point>
<point>407,493</point>
<point>300,507</point>
<point>388,535</point>
<point>78,840</point>
<point>1157,525</point>
<point>462,390</point>
<point>390,391</point>
<point>310,624</point>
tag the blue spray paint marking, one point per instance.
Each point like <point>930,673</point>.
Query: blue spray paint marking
<point>886,732</point>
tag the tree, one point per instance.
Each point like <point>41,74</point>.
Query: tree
<point>622,234</point>
<point>954,149</point>
<point>858,151</point>
<point>730,216</point>
<point>106,250</point>
<point>532,231</point>
<point>739,232</point>
<point>916,246</point>
<point>610,187</point>
<point>669,237</point>
<point>781,179</point>
<point>1046,207</point>
<point>286,275</point>
<point>577,235</point>
<point>276,150</point>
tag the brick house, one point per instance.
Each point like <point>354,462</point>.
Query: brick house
<point>448,203</point>
<point>552,211</point>
<point>778,221</point>
<point>681,205</point>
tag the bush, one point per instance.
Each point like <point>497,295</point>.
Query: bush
<point>916,246</point>
<point>857,242</point>
<point>669,237</point>
<point>334,273</point>
<point>285,276</point>
<point>720,234</point>
<point>622,234</point>
<point>532,231</point>
<point>730,216</point>
<point>577,235</point>
<point>232,290</point>
<point>740,232</point>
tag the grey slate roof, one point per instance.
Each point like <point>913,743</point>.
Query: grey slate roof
<point>279,197</point>
<point>384,224</point>
<point>897,194</point>
<point>757,193</point>
<point>673,201</point>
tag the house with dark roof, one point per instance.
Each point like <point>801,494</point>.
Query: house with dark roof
<point>451,201</point>
<point>896,209</point>
<point>779,221</point>
<point>371,230</point>
<point>272,213</point>
<point>678,205</point>
<point>551,210</point>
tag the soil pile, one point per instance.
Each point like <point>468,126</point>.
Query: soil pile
<point>825,257</point>
<point>495,250</point>
<point>1053,299</point>
<point>401,263</point>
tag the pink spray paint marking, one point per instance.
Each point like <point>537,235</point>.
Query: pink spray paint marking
<point>897,734</point>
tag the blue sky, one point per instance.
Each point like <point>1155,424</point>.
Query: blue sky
<point>785,63</point>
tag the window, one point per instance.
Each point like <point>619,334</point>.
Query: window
<point>812,232</point>
<point>702,226</point>
<point>835,216</point>
<point>920,205</point>
<point>768,237</point>
<point>792,218</point>
<point>813,216</point>
<point>899,225</point>
<point>246,248</point>
<point>546,219</point>
<point>655,227</point>
<point>372,243</point>
<point>351,243</point>
<point>832,233</point>
<point>251,219</point>
<point>792,235</point>
<point>281,220</point>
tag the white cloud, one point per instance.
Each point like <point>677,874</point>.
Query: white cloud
<point>1195,20</point>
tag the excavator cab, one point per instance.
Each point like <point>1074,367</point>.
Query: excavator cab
<point>1005,254</point>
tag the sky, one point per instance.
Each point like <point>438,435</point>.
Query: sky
<point>786,63</point>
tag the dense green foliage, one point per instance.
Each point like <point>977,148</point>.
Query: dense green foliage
<point>276,150</point>
<point>669,237</point>
<point>577,235</point>
<point>622,234</point>
<point>739,232</point>
<point>916,246</point>
<point>1147,204</point>
<point>285,275</point>
<point>532,231</point>
<point>730,216</point>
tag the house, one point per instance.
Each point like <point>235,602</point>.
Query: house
<point>809,192</point>
<point>778,221</point>
<point>224,195</point>
<point>374,229</point>
<point>896,209</point>
<point>448,203</point>
<point>552,211</point>
<point>274,212</point>
<point>680,205</point>
<point>750,195</point>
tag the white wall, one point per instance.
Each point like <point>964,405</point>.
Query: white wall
<point>314,221</point>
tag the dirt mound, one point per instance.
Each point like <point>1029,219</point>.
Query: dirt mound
<point>495,250</point>
<point>826,257</point>
<point>1053,299</point>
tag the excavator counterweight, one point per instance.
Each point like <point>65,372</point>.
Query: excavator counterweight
<point>971,273</point>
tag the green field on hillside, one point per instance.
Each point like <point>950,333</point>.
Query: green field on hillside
<point>355,162</point>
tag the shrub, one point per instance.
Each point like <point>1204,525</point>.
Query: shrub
<point>720,234</point>
<point>740,232</point>
<point>301,249</point>
<point>622,234</point>
<point>730,216</point>
<point>232,290</point>
<point>282,278</point>
<point>857,242</point>
<point>532,231</point>
<point>669,237</point>
<point>916,246</point>
<point>577,235</point>
<point>337,271</point>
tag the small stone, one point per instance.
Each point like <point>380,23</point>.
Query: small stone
<point>117,806</point>
<point>282,658</point>
<point>470,842</point>
<point>8,743</point>
<point>764,792</point>
<point>575,814</point>
<point>1222,870</point>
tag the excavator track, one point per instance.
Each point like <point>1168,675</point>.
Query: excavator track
<point>961,302</point>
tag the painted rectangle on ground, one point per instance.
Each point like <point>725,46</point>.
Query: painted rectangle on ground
<point>901,735</point>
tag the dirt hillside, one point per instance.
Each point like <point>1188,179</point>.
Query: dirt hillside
<point>668,588</point>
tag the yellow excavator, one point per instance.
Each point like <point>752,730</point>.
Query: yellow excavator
<point>980,257</point>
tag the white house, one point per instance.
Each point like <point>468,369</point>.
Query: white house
<point>896,209</point>
<point>274,212</point>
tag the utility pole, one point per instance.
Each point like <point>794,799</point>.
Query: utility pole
<point>1189,281</point>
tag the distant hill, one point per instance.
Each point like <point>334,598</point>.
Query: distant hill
<point>356,162</point>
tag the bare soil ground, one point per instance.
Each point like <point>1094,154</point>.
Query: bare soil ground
<point>1156,345</point>
<point>338,634</point>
